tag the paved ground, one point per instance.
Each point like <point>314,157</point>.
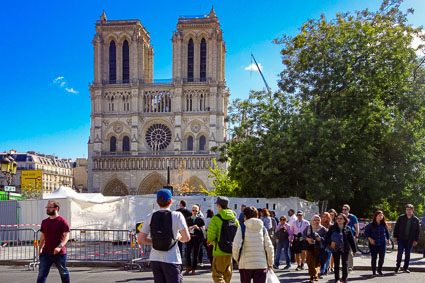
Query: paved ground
<point>104,275</point>
<point>83,273</point>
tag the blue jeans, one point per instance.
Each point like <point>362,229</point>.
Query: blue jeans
<point>325,261</point>
<point>46,261</point>
<point>286,251</point>
<point>403,246</point>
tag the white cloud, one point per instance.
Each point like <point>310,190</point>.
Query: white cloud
<point>63,84</point>
<point>58,79</point>
<point>253,67</point>
<point>71,90</point>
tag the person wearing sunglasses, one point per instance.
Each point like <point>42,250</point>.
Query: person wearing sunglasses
<point>196,227</point>
<point>283,234</point>
<point>339,240</point>
<point>353,222</point>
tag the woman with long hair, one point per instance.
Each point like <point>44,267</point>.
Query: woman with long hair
<point>325,255</point>
<point>333,214</point>
<point>339,239</point>
<point>377,234</point>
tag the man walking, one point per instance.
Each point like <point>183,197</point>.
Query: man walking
<point>241,216</point>
<point>54,236</point>
<point>354,225</point>
<point>165,227</point>
<point>221,232</point>
<point>297,228</point>
<point>406,234</point>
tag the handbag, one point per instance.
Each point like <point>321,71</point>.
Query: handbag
<point>306,246</point>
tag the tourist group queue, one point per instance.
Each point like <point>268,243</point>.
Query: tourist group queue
<point>253,241</point>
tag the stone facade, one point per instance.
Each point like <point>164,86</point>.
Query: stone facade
<point>79,172</point>
<point>139,125</point>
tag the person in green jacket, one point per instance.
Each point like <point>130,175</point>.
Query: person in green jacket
<point>222,265</point>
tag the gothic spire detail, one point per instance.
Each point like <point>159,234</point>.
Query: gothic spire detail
<point>103,17</point>
<point>212,13</point>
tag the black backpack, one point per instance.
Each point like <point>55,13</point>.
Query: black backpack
<point>162,231</point>
<point>227,234</point>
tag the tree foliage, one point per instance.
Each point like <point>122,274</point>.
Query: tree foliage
<point>223,185</point>
<point>348,122</point>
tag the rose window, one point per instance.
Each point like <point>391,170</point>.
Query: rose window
<point>158,136</point>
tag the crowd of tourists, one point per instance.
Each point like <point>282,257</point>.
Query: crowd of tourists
<point>253,241</point>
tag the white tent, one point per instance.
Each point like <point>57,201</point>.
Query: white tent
<point>95,211</point>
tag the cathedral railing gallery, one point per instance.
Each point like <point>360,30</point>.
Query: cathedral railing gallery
<point>152,163</point>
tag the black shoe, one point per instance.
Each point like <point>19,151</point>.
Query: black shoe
<point>380,273</point>
<point>373,274</point>
<point>302,266</point>
<point>287,267</point>
<point>298,268</point>
<point>406,270</point>
<point>275,267</point>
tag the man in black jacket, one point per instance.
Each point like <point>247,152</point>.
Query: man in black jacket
<point>406,233</point>
<point>186,213</point>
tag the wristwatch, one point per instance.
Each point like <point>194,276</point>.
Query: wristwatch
<point>60,246</point>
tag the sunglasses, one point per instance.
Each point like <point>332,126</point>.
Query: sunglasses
<point>194,211</point>
<point>345,209</point>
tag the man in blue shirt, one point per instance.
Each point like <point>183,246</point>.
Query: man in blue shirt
<point>354,225</point>
<point>240,218</point>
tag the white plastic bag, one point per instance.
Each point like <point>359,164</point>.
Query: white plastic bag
<point>271,277</point>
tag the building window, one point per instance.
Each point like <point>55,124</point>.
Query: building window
<point>190,143</point>
<point>190,57</point>
<point>112,63</point>
<point>203,74</point>
<point>202,141</point>
<point>126,144</point>
<point>125,63</point>
<point>113,144</point>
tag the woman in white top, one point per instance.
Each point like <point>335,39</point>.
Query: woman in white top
<point>252,248</point>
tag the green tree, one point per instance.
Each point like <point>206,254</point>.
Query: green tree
<point>223,185</point>
<point>348,124</point>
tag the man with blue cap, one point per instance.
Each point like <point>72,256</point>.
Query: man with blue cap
<point>165,228</point>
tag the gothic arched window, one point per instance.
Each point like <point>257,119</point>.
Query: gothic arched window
<point>190,57</point>
<point>112,63</point>
<point>113,144</point>
<point>125,63</point>
<point>126,144</point>
<point>202,141</point>
<point>203,74</point>
<point>190,143</point>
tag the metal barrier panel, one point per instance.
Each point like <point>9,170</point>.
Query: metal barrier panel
<point>99,245</point>
<point>17,244</point>
<point>140,253</point>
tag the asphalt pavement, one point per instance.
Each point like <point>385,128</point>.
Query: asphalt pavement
<point>83,273</point>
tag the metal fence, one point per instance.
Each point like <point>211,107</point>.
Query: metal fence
<point>85,245</point>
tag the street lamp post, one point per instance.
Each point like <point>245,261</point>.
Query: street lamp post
<point>8,168</point>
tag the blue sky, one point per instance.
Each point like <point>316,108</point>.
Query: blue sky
<point>45,40</point>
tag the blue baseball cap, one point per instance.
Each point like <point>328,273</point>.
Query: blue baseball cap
<point>163,195</point>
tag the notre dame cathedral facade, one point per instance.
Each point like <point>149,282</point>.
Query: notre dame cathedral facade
<point>140,125</point>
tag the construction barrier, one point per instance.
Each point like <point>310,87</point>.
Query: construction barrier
<point>17,244</point>
<point>84,245</point>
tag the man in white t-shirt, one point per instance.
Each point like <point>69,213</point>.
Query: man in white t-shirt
<point>165,264</point>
